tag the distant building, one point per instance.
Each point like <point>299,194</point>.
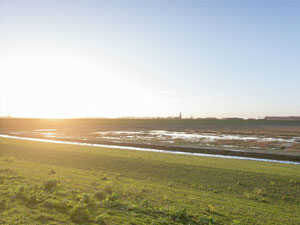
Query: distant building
<point>180,115</point>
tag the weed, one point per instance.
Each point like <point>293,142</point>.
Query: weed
<point>3,204</point>
<point>112,200</point>
<point>235,222</point>
<point>206,220</point>
<point>108,189</point>
<point>10,159</point>
<point>32,199</point>
<point>160,221</point>
<point>50,185</point>
<point>1,180</point>
<point>104,178</point>
<point>58,204</point>
<point>86,198</point>
<point>52,172</point>
<point>211,209</point>
<point>145,204</point>
<point>100,219</point>
<point>239,183</point>
<point>100,195</point>
<point>80,213</point>
<point>292,181</point>
<point>165,198</point>
<point>256,194</point>
<point>179,215</point>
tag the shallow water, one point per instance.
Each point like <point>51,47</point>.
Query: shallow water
<point>192,137</point>
<point>149,150</point>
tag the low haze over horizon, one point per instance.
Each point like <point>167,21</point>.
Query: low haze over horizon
<point>64,59</point>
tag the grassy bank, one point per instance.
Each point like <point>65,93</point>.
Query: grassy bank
<point>64,184</point>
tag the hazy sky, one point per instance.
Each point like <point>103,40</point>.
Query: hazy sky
<point>149,58</point>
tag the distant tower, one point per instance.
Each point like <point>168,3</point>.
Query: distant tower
<point>180,115</point>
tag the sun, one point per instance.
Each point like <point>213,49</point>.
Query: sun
<point>57,83</point>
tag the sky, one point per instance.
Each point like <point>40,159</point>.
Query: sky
<point>70,58</point>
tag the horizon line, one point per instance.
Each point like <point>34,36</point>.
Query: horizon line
<point>159,117</point>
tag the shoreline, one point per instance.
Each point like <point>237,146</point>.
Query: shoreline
<point>242,154</point>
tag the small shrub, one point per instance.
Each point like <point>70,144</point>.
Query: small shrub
<point>65,203</point>
<point>165,198</point>
<point>211,209</point>
<point>55,203</point>
<point>160,221</point>
<point>171,184</point>
<point>259,191</point>
<point>134,194</point>
<point>3,204</point>
<point>100,195</point>
<point>145,204</point>
<point>51,203</point>
<point>108,189</point>
<point>206,220</point>
<point>112,200</point>
<point>235,222</point>
<point>32,199</point>
<point>10,159</point>
<point>50,185</point>
<point>256,194</point>
<point>179,215</point>
<point>52,172</point>
<point>101,219</point>
<point>292,181</point>
<point>250,196</point>
<point>239,183</point>
<point>104,178</point>
<point>20,192</point>
<point>86,198</point>
<point>144,207</point>
<point>80,213</point>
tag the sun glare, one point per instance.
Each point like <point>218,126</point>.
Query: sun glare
<point>56,84</point>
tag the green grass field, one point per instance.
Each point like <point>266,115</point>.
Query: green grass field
<point>46,183</point>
